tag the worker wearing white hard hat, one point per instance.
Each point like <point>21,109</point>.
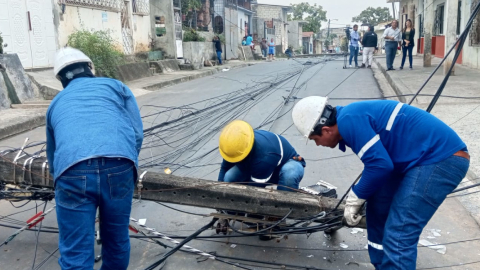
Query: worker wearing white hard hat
<point>94,136</point>
<point>412,161</point>
<point>258,157</point>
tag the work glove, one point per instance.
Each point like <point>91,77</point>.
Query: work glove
<point>352,207</point>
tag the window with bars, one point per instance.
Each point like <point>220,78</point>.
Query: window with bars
<point>475,30</point>
<point>439,20</point>
<point>140,7</point>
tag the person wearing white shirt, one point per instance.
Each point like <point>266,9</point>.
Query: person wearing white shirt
<point>393,38</point>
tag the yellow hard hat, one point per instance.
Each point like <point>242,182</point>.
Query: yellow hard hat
<point>236,141</point>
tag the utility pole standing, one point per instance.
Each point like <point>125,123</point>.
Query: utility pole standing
<point>428,32</point>
<point>451,34</point>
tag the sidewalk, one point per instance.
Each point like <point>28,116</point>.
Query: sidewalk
<point>29,116</point>
<point>463,115</point>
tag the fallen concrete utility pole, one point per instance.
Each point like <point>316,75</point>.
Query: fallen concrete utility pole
<point>185,190</point>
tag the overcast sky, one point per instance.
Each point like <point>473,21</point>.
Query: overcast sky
<point>343,10</point>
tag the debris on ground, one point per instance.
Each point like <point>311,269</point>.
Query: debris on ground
<point>343,245</point>
<point>356,230</point>
<point>442,249</point>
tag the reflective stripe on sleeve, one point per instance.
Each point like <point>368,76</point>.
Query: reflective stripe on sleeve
<point>367,146</point>
<point>393,116</point>
<point>375,246</point>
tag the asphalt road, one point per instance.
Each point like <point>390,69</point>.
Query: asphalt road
<point>331,165</point>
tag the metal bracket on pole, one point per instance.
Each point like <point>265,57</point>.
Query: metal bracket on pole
<point>140,186</point>
<point>24,168</point>
<point>16,158</point>
<point>45,176</point>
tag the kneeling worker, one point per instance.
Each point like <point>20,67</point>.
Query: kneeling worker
<point>412,161</point>
<point>260,157</point>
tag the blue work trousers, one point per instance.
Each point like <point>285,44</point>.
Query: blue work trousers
<point>219,56</point>
<point>353,55</point>
<point>398,212</point>
<point>390,50</point>
<point>104,183</point>
<point>287,177</point>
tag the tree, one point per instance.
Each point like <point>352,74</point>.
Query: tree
<point>313,15</point>
<point>373,16</point>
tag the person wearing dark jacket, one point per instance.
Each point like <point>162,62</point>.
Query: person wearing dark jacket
<point>369,41</point>
<point>218,48</point>
<point>408,42</point>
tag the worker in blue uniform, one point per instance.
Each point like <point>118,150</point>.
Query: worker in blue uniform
<point>94,135</point>
<point>258,158</point>
<point>412,161</point>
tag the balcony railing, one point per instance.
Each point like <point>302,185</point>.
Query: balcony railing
<point>113,5</point>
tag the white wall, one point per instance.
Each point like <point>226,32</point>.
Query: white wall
<point>471,54</point>
<point>141,32</point>
<point>79,18</point>
<point>242,18</point>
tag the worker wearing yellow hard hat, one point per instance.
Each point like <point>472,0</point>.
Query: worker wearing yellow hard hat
<point>258,157</point>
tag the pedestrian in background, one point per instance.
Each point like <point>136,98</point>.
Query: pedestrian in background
<point>289,52</point>
<point>244,41</point>
<point>271,50</point>
<point>218,48</point>
<point>354,46</point>
<point>408,37</point>
<point>369,42</point>
<point>393,39</point>
<point>264,47</point>
<point>94,135</point>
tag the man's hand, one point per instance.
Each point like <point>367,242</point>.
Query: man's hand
<point>352,207</point>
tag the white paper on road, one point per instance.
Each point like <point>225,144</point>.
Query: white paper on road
<point>142,221</point>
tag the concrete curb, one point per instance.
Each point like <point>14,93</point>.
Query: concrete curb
<point>14,128</point>
<point>398,87</point>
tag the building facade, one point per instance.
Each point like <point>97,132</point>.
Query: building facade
<point>272,23</point>
<point>35,29</point>
<point>438,23</point>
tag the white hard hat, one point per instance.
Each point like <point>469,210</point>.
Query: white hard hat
<point>307,112</point>
<point>67,56</point>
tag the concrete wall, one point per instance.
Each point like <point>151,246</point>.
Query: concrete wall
<point>21,83</point>
<point>279,16</point>
<point>197,52</point>
<point>295,34</point>
<point>165,43</point>
<point>141,33</point>
<point>471,54</point>
<point>80,18</point>
<point>231,34</point>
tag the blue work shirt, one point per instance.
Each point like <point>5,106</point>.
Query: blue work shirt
<point>92,117</point>
<point>354,38</point>
<point>249,40</point>
<point>390,136</point>
<point>265,157</point>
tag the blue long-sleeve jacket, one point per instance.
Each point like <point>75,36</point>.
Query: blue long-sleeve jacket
<point>269,152</point>
<point>92,117</point>
<point>390,136</point>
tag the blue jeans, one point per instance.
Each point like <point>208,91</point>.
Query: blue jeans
<point>398,212</point>
<point>264,52</point>
<point>289,175</point>
<point>289,54</point>
<point>353,55</point>
<point>219,55</point>
<point>104,183</point>
<point>390,50</point>
<point>406,49</point>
